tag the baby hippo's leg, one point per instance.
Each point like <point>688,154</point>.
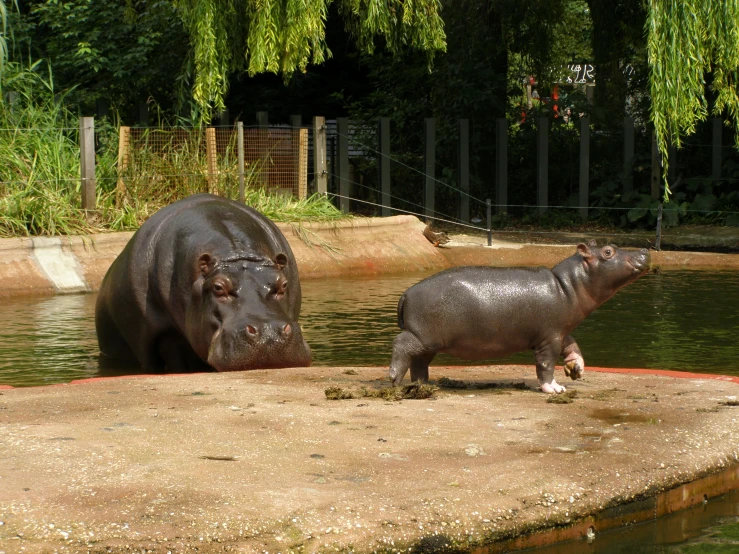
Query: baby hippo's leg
<point>546,357</point>
<point>408,352</point>
<point>574,362</point>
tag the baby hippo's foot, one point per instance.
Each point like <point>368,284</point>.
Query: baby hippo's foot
<point>574,366</point>
<point>552,388</point>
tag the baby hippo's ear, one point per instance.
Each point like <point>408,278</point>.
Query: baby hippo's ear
<point>584,250</point>
<point>280,260</point>
<point>206,263</point>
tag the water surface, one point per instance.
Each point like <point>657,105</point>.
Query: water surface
<point>681,320</point>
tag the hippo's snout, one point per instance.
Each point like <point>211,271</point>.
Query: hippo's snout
<point>259,345</point>
<point>640,261</point>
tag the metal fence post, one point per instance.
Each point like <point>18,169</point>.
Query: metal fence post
<point>628,155</point>
<point>463,160</point>
<point>240,137</point>
<point>319,154</point>
<point>542,165</point>
<point>430,166</point>
<point>584,167</point>
<point>87,162</point>
<point>383,133</point>
<point>501,165</point>
<point>342,129</point>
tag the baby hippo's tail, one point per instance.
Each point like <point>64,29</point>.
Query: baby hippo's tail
<point>400,311</point>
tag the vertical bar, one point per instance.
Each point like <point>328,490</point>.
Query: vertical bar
<point>584,167</point>
<point>263,149</point>
<point>628,155</point>
<point>302,164</point>
<point>656,168</point>
<point>429,165</point>
<point>463,160</point>
<point>342,130</point>
<point>501,165</point>
<point>384,165</point>
<point>542,165</point>
<point>87,162</point>
<point>717,156</point>
<point>489,209</point>
<point>123,141</point>
<point>240,131</point>
<point>296,175</point>
<point>210,157</point>
<point>319,154</point>
<point>144,114</point>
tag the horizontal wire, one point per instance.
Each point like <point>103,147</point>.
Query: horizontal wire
<point>406,211</point>
<point>416,170</point>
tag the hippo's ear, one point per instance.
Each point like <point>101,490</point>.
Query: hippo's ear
<point>280,260</point>
<point>206,263</point>
<point>584,250</point>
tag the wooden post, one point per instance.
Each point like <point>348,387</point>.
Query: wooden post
<point>542,164</point>
<point>585,167</point>
<point>342,130</point>
<point>628,155</point>
<point>124,138</point>
<point>240,144</point>
<point>319,154</point>
<point>211,157</point>
<point>463,162</point>
<point>87,162</point>
<point>430,166</point>
<point>717,151</point>
<point>302,163</point>
<point>383,133</point>
<point>656,168</point>
<point>501,165</point>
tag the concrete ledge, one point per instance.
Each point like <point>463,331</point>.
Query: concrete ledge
<point>360,246</point>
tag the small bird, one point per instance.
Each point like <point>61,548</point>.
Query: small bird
<point>436,238</point>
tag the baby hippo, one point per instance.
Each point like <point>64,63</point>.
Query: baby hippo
<point>486,312</point>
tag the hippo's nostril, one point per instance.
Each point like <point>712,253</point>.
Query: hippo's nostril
<point>286,329</point>
<point>251,330</point>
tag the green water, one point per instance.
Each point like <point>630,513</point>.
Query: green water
<point>675,320</point>
<point>711,528</point>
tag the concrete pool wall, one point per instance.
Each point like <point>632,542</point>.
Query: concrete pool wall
<point>360,246</point>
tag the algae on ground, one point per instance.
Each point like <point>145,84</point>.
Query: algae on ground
<point>412,391</point>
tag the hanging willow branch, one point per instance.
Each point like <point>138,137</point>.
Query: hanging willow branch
<point>687,40</point>
<point>284,36</point>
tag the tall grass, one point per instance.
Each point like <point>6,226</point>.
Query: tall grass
<point>40,172</point>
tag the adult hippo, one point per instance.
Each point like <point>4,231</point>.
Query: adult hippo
<point>487,312</point>
<point>205,283</point>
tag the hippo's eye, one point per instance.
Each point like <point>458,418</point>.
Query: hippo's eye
<point>608,252</point>
<point>219,289</point>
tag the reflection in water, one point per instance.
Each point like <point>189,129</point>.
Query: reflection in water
<point>708,528</point>
<point>676,320</point>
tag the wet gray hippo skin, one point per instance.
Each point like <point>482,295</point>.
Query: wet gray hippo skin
<point>487,312</point>
<point>205,283</point>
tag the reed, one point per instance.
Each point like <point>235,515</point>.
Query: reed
<point>39,169</point>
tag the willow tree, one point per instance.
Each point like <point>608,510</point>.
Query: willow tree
<point>284,36</point>
<point>689,40</point>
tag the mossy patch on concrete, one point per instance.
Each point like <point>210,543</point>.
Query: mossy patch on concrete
<point>566,397</point>
<point>412,391</point>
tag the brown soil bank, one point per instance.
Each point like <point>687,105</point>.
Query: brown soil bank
<point>262,461</point>
<point>362,246</point>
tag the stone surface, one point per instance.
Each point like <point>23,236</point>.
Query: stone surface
<point>261,461</point>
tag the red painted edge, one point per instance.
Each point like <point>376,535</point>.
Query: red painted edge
<point>621,370</point>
